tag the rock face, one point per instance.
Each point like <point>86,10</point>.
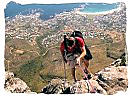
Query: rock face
<point>15,85</point>
<point>87,86</point>
<point>56,86</point>
<point>115,78</point>
<point>107,81</point>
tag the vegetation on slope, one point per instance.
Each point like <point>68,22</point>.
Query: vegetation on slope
<point>38,70</point>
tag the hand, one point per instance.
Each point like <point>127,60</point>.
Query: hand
<point>78,60</point>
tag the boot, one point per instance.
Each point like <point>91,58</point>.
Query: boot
<point>88,77</point>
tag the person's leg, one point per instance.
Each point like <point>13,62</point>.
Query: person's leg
<point>72,68</point>
<point>86,64</point>
<point>89,74</point>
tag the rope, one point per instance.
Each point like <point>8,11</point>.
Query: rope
<point>88,86</point>
<point>93,90</point>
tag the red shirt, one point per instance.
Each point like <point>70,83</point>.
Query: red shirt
<point>70,49</point>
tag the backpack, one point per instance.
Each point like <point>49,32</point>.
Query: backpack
<point>77,34</point>
<point>78,50</point>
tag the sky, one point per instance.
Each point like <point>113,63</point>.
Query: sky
<point>2,26</point>
<point>61,1</point>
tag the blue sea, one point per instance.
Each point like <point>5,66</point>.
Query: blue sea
<point>99,7</point>
<point>48,11</point>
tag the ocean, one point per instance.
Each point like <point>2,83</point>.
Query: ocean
<point>47,11</point>
<point>98,7</point>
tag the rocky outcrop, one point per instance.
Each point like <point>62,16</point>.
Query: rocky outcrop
<point>115,78</point>
<point>56,86</point>
<point>87,86</point>
<point>15,85</point>
<point>109,80</point>
<point>83,86</point>
<point>122,61</point>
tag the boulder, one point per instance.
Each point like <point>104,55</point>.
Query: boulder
<point>15,85</point>
<point>122,61</point>
<point>87,86</point>
<point>9,75</point>
<point>109,80</point>
<point>115,78</point>
<point>56,86</point>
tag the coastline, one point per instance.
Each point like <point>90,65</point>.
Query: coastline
<point>98,13</point>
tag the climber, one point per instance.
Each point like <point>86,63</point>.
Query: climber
<point>74,51</point>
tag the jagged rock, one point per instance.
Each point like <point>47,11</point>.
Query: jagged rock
<point>103,85</point>
<point>124,59</point>
<point>15,85</point>
<point>121,61</point>
<point>87,86</point>
<point>108,81</point>
<point>56,86</point>
<point>115,78</point>
<point>9,75</point>
<point>116,62</point>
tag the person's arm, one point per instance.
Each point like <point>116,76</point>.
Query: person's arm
<point>82,54</point>
<point>82,46</point>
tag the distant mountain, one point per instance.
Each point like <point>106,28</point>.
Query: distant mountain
<point>47,10</point>
<point>11,9</point>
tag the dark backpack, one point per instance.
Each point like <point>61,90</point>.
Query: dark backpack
<point>78,50</point>
<point>77,34</point>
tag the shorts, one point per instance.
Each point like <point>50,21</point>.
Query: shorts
<point>71,60</point>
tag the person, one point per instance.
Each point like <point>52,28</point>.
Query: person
<point>75,53</point>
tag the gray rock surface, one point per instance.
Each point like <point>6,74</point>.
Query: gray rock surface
<point>115,78</point>
<point>15,85</point>
<point>109,80</point>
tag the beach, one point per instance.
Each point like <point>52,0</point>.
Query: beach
<point>98,13</point>
<point>91,24</point>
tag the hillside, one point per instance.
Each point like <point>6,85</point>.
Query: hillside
<point>37,70</point>
<point>32,44</point>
